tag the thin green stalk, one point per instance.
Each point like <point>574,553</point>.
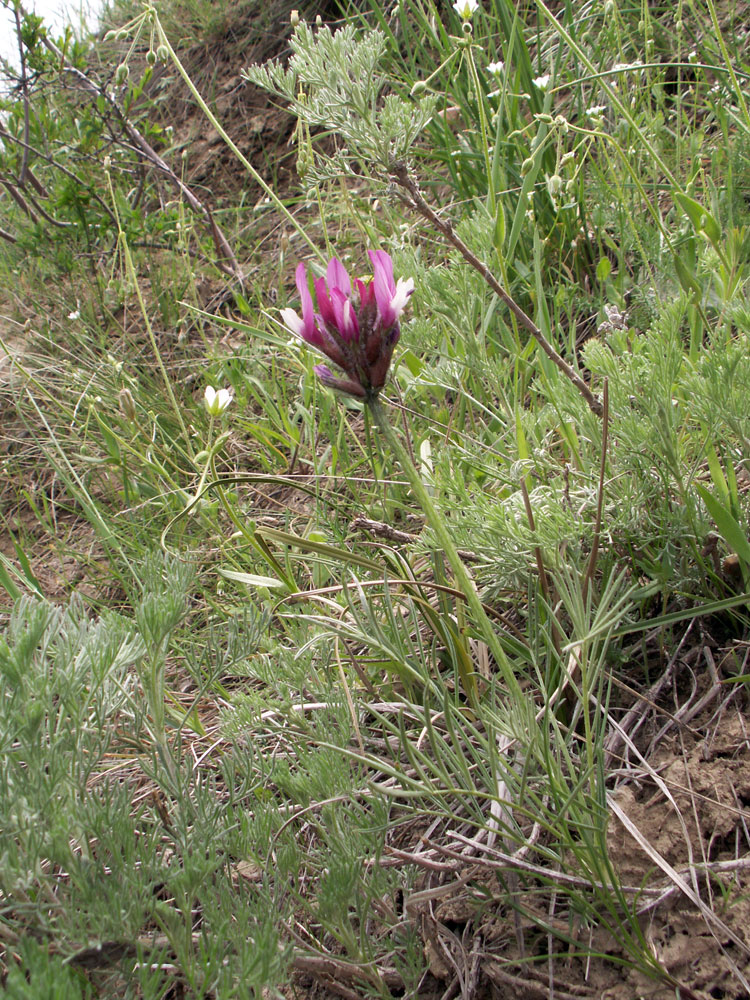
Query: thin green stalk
<point>610,91</point>
<point>728,62</point>
<point>479,94</point>
<point>163,40</point>
<point>438,525</point>
<point>132,275</point>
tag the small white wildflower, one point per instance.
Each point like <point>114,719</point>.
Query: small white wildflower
<point>217,401</point>
<point>626,67</point>
<point>596,111</point>
<point>76,314</point>
<point>693,56</point>
<point>496,68</point>
<point>465,8</point>
<point>614,320</point>
<point>542,82</point>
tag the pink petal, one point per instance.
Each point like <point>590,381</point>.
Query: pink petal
<point>384,285</point>
<point>346,320</point>
<point>308,313</point>
<point>337,277</point>
<point>324,303</point>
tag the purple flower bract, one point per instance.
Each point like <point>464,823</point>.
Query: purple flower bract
<point>356,325</point>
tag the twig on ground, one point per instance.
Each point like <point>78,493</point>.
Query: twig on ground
<point>635,716</point>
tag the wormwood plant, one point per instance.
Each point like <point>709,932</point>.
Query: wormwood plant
<point>335,332</point>
<point>72,714</point>
<point>310,754</point>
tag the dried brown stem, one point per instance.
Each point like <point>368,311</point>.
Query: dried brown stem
<point>149,154</point>
<point>391,534</point>
<point>415,200</point>
<point>37,185</point>
<point>24,90</point>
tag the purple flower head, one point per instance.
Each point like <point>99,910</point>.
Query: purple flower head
<point>355,327</point>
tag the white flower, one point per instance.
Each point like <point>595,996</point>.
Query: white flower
<point>76,314</point>
<point>542,81</point>
<point>404,288</point>
<point>626,67</point>
<point>217,402</point>
<point>496,68</point>
<point>465,8</point>
<point>596,111</point>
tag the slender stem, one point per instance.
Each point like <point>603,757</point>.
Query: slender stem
<point>207,465</point>
<point>437,522</point>
<point>591,568</point>
<point>479,94</point>
<point>132,275</point>
<point>280,206</point>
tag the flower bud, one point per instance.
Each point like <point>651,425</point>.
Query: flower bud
<point>122,73</point>
<point>127,404</point>
<point>162,53</point>
<point>294,18</point>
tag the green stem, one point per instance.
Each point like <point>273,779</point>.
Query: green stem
<point>207,466</point>
<point>280,206</point>
<point>436,521</point>
<point>132,275</point>
<point>479,93</point>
